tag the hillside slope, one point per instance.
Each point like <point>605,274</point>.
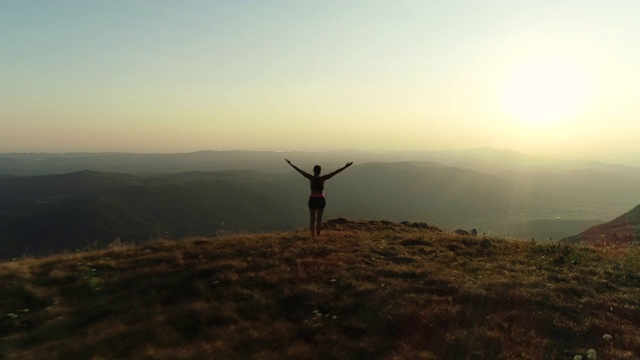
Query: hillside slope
<point>43,214</point>
<point>365,290</point>
<point>624,229</point>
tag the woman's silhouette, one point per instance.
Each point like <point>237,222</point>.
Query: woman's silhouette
<point>316,199</point>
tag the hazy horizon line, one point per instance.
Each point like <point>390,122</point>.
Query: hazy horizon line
<point>624,160</point>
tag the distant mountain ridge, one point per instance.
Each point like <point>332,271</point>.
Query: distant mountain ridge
<point>497,192</point>
<point>491,160</point>
<point>624,229</point>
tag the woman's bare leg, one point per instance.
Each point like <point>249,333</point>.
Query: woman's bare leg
<point>312,216</point>
<point>319,220</point>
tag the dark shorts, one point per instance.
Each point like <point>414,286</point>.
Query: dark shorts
<point>317,202</point>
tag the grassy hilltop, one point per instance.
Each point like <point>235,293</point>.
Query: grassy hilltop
<point>363,290</point>
<point>625,229</point>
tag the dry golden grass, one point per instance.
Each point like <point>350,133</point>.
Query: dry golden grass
<point>365,290</point>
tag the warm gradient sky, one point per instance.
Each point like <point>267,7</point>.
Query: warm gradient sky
<point>551,77</point>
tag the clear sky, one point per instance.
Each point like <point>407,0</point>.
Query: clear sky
<point>541,77</point>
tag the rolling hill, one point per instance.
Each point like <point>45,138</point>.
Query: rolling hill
<point>45,213</point>
<point>363,290</point>
<point>49,213</point>
<point>624,229</point>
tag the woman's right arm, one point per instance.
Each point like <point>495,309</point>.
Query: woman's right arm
<point>308,176</point>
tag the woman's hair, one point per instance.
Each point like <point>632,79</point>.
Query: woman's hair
<point>316,170</point>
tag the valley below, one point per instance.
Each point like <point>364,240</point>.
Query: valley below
<point>51,203</point>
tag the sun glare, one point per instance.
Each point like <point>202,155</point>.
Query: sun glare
<point>545,90</point>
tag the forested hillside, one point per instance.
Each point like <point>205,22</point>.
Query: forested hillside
<point>39,214</point>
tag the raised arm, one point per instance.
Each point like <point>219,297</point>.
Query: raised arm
<point>308,176</point>
<point>330,175</point>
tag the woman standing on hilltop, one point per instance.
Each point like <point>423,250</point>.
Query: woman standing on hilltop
<point>316,199</point>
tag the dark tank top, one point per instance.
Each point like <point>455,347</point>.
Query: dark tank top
<point>317,184</point>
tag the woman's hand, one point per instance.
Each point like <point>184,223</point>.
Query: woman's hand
<point>348,164</point>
